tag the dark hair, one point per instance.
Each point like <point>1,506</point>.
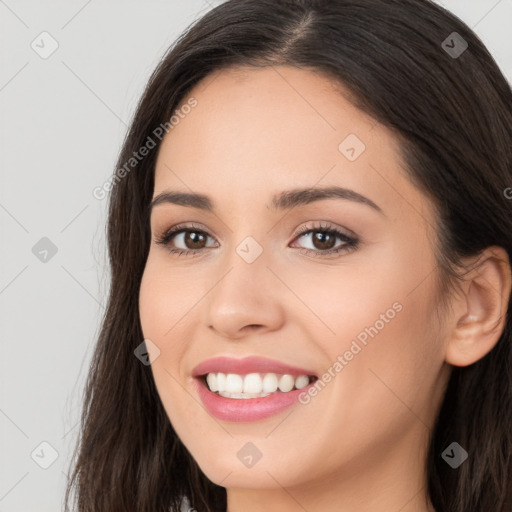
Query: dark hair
<point>452,115</point>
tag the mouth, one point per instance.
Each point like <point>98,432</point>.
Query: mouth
<point>249,389</point>
<point>253,385</point>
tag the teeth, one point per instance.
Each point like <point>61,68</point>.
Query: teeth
<point>242,395</point>
<point>254,385</point>
<point>234,383</point>
<point>221,381</point>
<point>270,383</point>
<point>211,379</point>
<point>301,382</point>
<point>286,383</point>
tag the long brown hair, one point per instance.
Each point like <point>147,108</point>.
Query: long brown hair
<point>452,112</point>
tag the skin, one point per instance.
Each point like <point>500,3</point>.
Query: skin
<point>360,444</point>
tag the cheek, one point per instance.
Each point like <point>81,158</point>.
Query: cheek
<point>160,310</point>
<point>149,303</point>
<point>376,325</point>
<point>382,369</point>
<point>386,293</point>
<point>166,300</point>
<point>161,306</point>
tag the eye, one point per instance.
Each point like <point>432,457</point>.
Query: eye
<point>324,240</point>
<point>193,240</point>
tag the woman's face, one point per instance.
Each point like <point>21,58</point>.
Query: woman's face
<point>250,285</point>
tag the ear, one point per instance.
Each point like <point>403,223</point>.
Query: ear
<point>480,314</point>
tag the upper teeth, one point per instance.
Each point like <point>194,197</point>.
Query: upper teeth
<point>254,383</point>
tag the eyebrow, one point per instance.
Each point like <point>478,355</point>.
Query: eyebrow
<point>285,200</point>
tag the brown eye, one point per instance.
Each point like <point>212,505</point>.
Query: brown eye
<point>194,239</point>
<point>189,240</point>
<point>324,240</point>
<point>185,240</point>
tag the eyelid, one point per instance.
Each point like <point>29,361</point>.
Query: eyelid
<point>351,241</point>
<point>179,228</point>
<point>329,226</point>
<point>304,229</point>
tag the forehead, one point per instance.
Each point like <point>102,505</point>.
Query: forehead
<point>259,130</point>
<point>276,108</point>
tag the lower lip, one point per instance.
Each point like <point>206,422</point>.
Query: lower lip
<point>246,409</point>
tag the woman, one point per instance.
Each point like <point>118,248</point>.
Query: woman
<point>309,306</point>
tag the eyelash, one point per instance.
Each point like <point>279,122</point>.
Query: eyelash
<point>349,245</point>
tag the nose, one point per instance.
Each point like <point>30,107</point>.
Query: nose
<point>247,298</point>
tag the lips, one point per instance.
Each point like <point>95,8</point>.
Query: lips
<point>239,408</point>
<point>248,365</point>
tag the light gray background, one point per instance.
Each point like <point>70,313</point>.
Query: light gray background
<point>62,123</point>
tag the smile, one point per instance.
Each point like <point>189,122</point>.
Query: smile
<point>249,389</point>
<point>254,385</point>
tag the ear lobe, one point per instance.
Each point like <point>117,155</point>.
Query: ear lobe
<point>484,306</point>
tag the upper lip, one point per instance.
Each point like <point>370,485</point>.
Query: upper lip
<point>247,365</point>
